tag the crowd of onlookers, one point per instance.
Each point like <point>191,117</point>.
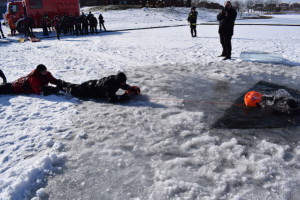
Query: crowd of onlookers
<point>73,25</point>
<point>80,25</point>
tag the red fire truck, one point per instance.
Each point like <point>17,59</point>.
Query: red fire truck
<point>35,9</point>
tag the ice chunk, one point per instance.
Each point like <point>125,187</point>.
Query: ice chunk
<point>264,57</point>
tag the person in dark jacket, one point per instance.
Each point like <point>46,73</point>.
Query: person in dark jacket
<point>85,25</point>
<point>226,20</point>
<point>26,22</point>
<point>34,83</point>
<point>101,22</point>
<point>44,26</point>
<point>88,17</point>
<point>193,21</point>
<point>78,29</point>
<point>71,25</point>
<point>3,77</point>
<point>103,88</point>
<point>58,26</point>
<point>1,31</point>
<point>93,24</point>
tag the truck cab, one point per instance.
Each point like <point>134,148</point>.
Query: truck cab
<point>15,11</point>
<point>20,10</point>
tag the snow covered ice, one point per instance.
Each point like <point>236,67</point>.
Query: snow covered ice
<point>160,145</point>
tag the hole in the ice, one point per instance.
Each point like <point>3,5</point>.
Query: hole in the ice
<point>257,118</point>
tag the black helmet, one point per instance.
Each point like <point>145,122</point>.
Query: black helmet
<point>121,77</point>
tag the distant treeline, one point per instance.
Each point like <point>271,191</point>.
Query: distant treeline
<point>152,3</point>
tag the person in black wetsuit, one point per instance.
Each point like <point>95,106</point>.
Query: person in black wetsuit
<point>103,88</point>
<point>280,100</point>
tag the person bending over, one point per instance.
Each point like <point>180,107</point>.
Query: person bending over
<point>103,88</point>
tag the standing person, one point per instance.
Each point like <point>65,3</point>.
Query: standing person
<point>57,26</point>
<point>44,26</point>
<point>1,31</point>
<point>71,25</point>
<point>12,27</point>
<point>85,25</point>
<point>34,83</point>
<point>103,88</point>
<point>26,27</point>
<point>93,24</point>
<point>193,21</point>
<point>78,29</point>
<point>3,77</point>
<point>89,15</point>
<point>30,25</point>
<point>101,22</point>
<point>82,15</point>
<point>48,22</point>
<point>226,20</point>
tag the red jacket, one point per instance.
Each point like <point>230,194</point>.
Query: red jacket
<point>33,83</point>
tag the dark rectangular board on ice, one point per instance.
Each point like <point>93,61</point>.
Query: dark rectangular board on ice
<point>238,117</point>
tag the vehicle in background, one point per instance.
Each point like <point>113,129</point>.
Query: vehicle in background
<point>35,9</point>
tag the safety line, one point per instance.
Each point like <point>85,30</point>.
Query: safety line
<point>191,101</point>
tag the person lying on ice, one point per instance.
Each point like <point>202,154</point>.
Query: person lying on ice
<point>280,100</point>
<point>103,88</point>
<point>34,83</point>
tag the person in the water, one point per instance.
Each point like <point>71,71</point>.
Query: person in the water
<point>280,100</point>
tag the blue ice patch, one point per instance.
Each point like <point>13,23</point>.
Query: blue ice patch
<point>262,57</point>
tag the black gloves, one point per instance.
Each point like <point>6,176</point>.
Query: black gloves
<point>61,83</point>
<point>48,90</point>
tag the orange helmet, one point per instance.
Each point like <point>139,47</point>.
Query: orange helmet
<point>252,98</point>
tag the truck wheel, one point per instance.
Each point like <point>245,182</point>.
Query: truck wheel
<point>21,27</point>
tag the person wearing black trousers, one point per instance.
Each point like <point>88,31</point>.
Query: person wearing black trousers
<point>101,22</point>
<point>93,24</point>
<point>85,25</point>
<point>3,77</point>
<point>1,31</point>
<point>193,21</point>
<point>105,88</point>
<point>226,20</point>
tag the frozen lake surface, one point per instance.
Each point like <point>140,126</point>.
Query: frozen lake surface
<point>172,151</point>
<point>161,144</point>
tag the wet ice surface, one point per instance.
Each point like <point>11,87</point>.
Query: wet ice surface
<point>162,147</point>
